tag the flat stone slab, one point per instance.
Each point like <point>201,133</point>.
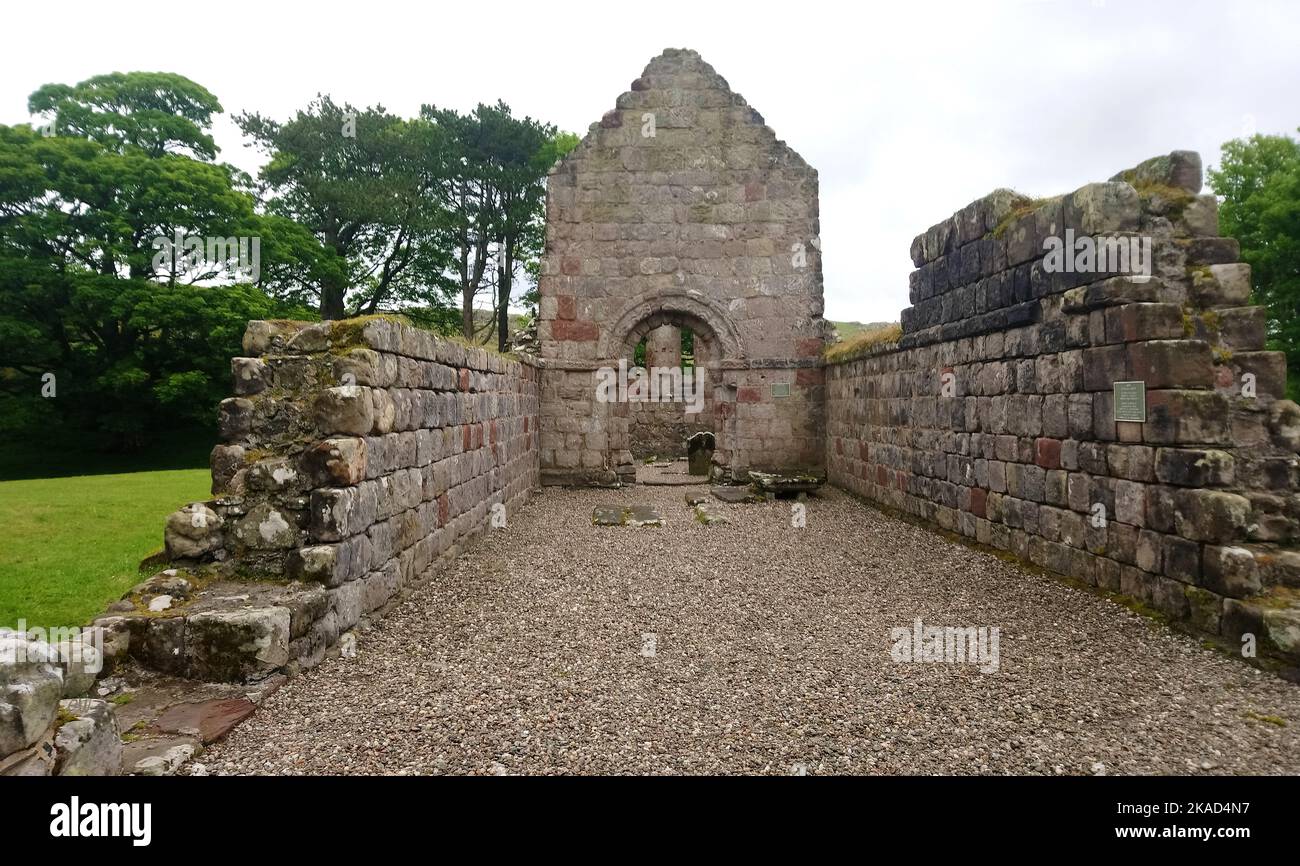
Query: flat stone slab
<point>735,494</point>
<point>626,515</point>
<point>709,515</point>
<point>772,483</point>
<point>158,757</point>
<point>208,720</point>
<point>696,498</point>
<point>667,480</point>
<point>668,475</point>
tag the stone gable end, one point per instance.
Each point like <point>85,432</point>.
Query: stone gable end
<point>682,208</point>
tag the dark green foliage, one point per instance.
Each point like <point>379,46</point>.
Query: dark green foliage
<point>1259,180</point>
<point>131,351</point>
<point>364,212</point>
<point>370,188</point>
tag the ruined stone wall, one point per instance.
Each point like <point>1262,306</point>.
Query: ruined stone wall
<point>1194,512</point>
<point>356,455</point>
<point>681,207</point>
<point>661,429</point>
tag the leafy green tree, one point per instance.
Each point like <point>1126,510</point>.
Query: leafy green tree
<point>497,201</point>
<point>369,187</point>
<point>1259,180</point>
<point>93,336</point>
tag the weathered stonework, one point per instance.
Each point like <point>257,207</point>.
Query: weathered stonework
<point>681,208</point>
<point>1194,512</point>
<point>358,456</point>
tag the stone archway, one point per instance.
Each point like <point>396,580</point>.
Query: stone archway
<point>667,309</point>
<point>661,428</point>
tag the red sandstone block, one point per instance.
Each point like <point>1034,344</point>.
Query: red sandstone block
<point>839,445</point>
<point>565,329</point>
<point>1047,453</point>
<point>900,478</point>
<point>979,500</point>
<point>571,266</point>
<point>467,438</point>
<point>444,510</point>
<point>863,451</point>
<point>1144,321</point>
<point>882,476</point>
<point>566,307</point>
<point>464,379</point>
<point>809,348</point>
<point>749,395</point>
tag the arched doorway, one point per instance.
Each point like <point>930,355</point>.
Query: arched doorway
<point>675,331</point>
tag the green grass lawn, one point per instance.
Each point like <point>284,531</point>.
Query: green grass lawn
<point>69,546</point>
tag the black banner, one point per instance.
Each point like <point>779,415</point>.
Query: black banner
<point>296,816</point>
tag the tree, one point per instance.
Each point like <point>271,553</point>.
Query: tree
<point>1259,180</point>
<point>370,187</point>
<point>497,203</point>
<point>87,206</point>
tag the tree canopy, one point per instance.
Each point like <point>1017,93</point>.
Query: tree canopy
<point>1259,180</point>
<point>91,334</point>
<point>131,258</point>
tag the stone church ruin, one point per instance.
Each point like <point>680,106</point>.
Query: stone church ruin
<point>682,210</point>
<point>358,457</point>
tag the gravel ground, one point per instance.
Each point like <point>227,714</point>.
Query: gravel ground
<point>770,654</point>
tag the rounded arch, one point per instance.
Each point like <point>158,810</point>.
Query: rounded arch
<point>690,309</point>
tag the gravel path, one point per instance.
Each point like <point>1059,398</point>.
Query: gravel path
<point>771,654</point>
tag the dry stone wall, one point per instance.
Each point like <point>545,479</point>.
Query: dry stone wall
<point>681,207</point>
<point>355,456</point>
<point>994,414</point>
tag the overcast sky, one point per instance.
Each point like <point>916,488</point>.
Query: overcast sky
<point>908,110</point>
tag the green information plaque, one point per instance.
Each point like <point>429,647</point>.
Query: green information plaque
<point>780,389</point>
<point>1131,401</point>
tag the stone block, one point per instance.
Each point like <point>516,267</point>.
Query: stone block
<point>1104,366</point>
<point>1132,322</point>
<point>88,742</point>
<point>251,376</point>
<point>1180,558</point>
<point>1182,417</point>
<point>1230,571</point>
<point>1210,515</point>
<point>31,685</point>
<point>346,410</point>
<point>1180,170</point>
<point>1171,363</point>
<point>193,532</point>
<point>1194,467</point>
<point>339,462</point>
<point>238,645</point>
<point>1226,285</point>
<point>1099,208</point>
